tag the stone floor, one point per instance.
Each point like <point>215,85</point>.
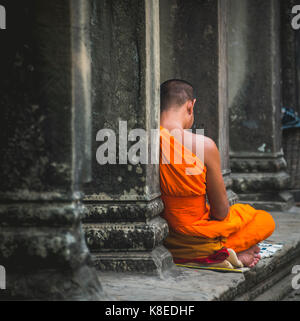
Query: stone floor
<point>182,284</point>
<point>293,296</point>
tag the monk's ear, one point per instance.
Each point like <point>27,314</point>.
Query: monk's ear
<point>190,106</point>
<point>194,102</point>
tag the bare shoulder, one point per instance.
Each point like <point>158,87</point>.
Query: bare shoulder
<point>201,145</point>
<point>210,145</point>
<point>204,147</point>
<point>195,141</point>
<point>211,152</point>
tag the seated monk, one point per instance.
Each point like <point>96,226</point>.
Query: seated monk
<point>201,233</point>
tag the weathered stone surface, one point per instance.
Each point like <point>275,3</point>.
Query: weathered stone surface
<point>255,102</point>
<point>199,285</point>
<point>246,182</point>
<point>290,41</point>
<point>298,64</point>
<point>33,246</point>
<point>244,164</point>
<point>254,76</point>
<point>231,195</point>
<point>123,199</point>
<point>155,262</point>
<point>44,150</point>
<point>290,96</point>
<point>43,215</point>
<point>272,201</point>
<point>126,236</point>
<point>125,87</point>
<point>106,212</point>
<point>194,48</point>
<point>82,283</point>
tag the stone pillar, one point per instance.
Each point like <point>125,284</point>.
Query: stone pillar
<point>123,227</point>
<point>289,56</point>
<point>290,90</point>
<point>194,48</point>
<point>44,106</point>
<point>257,162</point>
<point>298,67</point>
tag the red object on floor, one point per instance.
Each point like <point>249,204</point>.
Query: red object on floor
<point>217,257</point>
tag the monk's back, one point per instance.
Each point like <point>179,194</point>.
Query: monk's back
<point>182,182</point>
<point>199,232</point>
<point>183,189</point>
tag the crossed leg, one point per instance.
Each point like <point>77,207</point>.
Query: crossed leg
<point>244,242</point>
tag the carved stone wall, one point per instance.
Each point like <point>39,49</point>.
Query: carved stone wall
<point>194,48</point>
<point>259,169</point>
<point>44,148</point>
<point>123,227</point>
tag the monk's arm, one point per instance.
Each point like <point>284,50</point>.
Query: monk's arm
<point>216,190</point>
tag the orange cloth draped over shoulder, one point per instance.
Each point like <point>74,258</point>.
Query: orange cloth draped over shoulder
<point>192,233</point>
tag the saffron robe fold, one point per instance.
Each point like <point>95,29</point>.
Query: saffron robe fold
<point>192,232</point>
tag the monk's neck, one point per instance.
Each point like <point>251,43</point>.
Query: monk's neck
<point>171,122</point>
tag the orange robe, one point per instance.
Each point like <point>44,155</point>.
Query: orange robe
<point>192,233</point>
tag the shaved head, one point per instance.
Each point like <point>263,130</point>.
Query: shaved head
<point>175,93</point>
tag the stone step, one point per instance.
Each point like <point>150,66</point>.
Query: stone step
<point>292,296</point>
<point>275,287</point>
<point>269,280</point>
<point>279,290</point>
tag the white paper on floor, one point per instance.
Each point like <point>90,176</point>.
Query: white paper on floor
<point>268,249</point>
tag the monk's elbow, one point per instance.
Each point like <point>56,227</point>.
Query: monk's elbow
<point>220,217</point>
<point>223,218</point>
<point>221,214</point>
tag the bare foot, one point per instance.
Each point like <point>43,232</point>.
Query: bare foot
<point>256,248</point>
<point>256,252</point>
<point>250,257</point>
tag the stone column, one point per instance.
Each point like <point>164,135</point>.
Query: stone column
<point>289,56</point>
<point>290,88</point>
<point>123,227</point>
<point>44,148</point>
<point>257,161</point>
<point>194,48</point>
<point>298,67</point>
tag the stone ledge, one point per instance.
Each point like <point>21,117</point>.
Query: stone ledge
<point>47,285</point>
<point>154,262</point>
<point>107,237</point>
<point>114,212</point>
<point>296,194</point>
<point>257,163</point>
<point>280,202</point>
<point>255,182</point>
<point>181,284</point>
